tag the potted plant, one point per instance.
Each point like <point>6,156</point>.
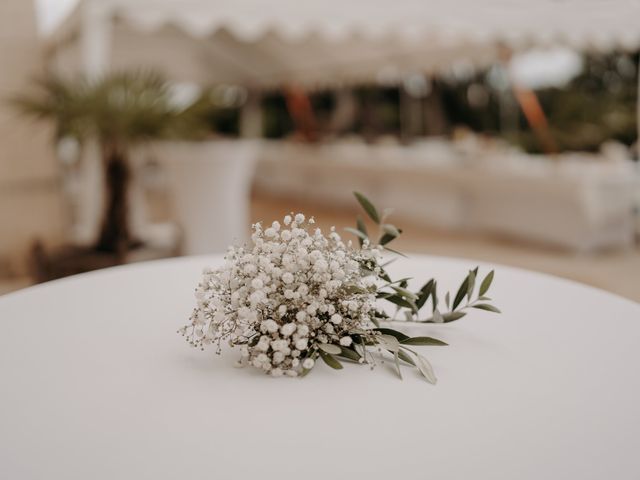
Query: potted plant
<point>119,111</point>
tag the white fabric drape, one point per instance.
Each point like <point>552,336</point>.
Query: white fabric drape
<point>331,42</point>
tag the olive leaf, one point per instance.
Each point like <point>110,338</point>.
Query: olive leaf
<point>406,358</point>
<point>397,363</point>
<point>486,283</point>
<point>462,291</point>
<point>424,293</point>
<point>361,226</point>
<point>425,368</point>
<point>487,307</point>
<point>357,233</point>
<point>330,348</point>
<point>472,282</point>
<point>330,360</point>
<point>389,342</point>
<point>452,316</point>
<point>350,354</point>
<point>394,333</point>
<point>368,207</point>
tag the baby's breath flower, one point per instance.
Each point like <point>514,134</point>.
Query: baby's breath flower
<point>282,296</point>
<point>291,297</point>
<point>346,341</point>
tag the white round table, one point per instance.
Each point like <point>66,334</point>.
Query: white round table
<point>96,384</point>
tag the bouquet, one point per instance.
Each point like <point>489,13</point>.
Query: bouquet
<point>296,295</point>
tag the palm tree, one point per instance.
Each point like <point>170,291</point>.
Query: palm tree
<point>118,110</point>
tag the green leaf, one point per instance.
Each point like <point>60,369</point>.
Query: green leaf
<point>397,362</point>
<point>405,357</point>
<point>401,302</point>
<point>462,291</point>
<point>437,316</point>
<point>452,316</point>
<point>357,233</point>
<point>390,229</point>
<point>330,360</point>
<point>487,307</point>
<point>422,341</point>
<point>426,369</point>
<point>486,283</point>
<point>385,239</point>
<point>368,207</point>
<point>434,295</point>
<point>447,300</point>
<point>389,342</point>
<point>352,289</point>
<point>424,294</point>
<point>472,283</point>
<point>405,293</point>
<point>361,226</point>
<point>350,354</point>
<point>384,275</point>
<point>394,333</point>
<point>330,348</point>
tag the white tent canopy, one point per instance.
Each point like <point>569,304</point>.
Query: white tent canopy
<point>260,43</point>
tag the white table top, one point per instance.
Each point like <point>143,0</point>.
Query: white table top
<point>95,384</point>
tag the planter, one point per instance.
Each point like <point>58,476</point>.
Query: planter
<point>210,184</point>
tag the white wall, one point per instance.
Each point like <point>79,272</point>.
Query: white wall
<point>30,200</point>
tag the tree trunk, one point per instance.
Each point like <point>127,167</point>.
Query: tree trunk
<point>115,236</point>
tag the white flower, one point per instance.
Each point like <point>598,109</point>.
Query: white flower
<point>345,341</point>
<point>269,326</point>
<point>308,363</point>
<point>287,277</point>
<point>283,288</point>
<point>287,329</point>
<point>286,235</point>
<point>263,344</point>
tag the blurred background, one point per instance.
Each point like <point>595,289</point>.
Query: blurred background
<point>143,129</point>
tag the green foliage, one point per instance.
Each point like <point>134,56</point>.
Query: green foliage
<point>406,302</point>
<point>120,108</point>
